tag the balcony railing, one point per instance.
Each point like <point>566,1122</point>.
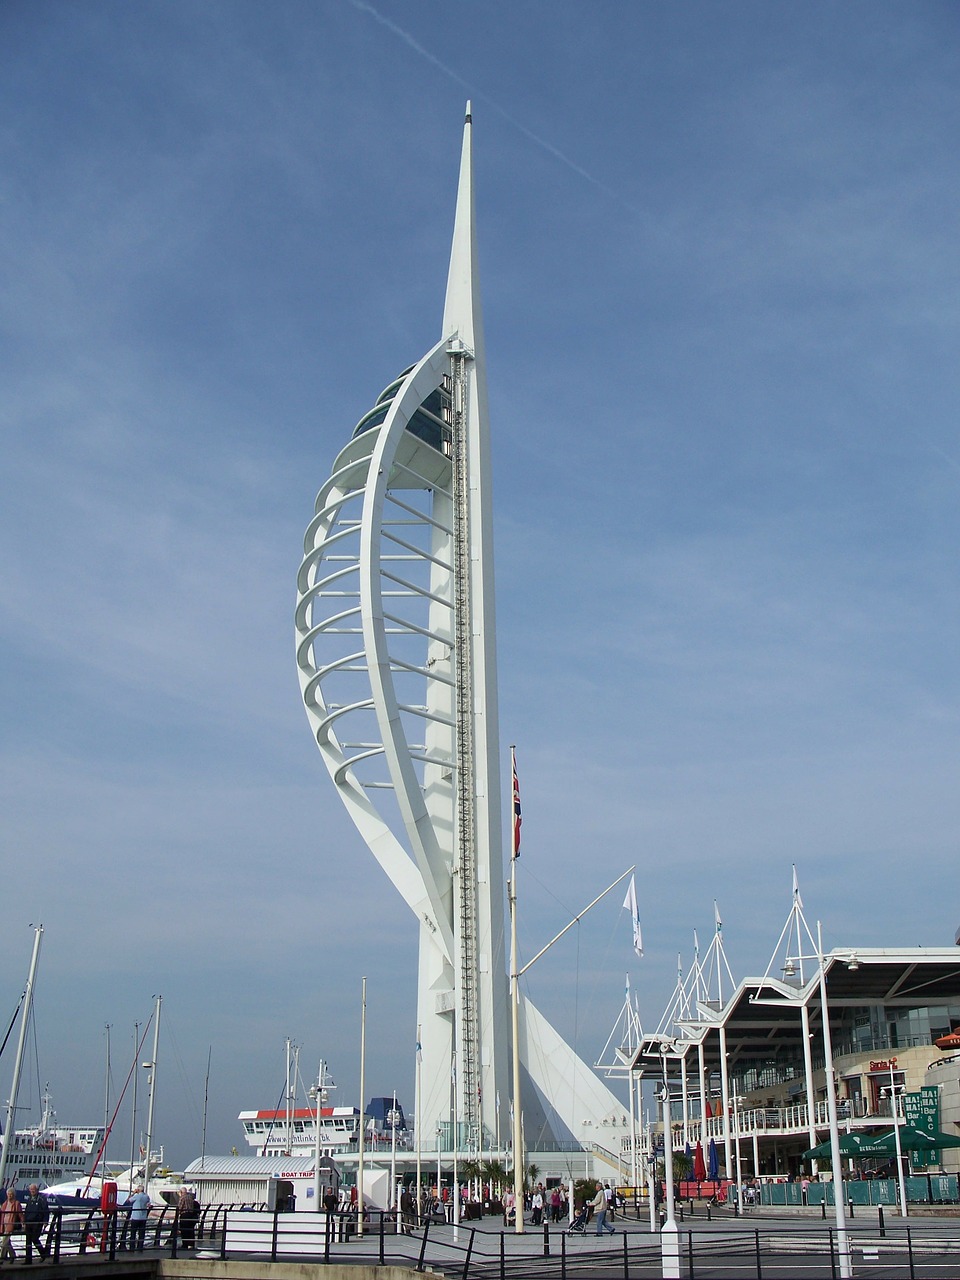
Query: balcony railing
<point>772,1122</point>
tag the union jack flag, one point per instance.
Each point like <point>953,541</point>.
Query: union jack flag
<point>517,820</point>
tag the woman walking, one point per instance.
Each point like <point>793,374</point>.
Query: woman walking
<point>11,1218</point>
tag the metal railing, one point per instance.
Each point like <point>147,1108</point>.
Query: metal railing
<point>771,1247</point>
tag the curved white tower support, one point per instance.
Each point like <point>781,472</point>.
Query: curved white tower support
<point>397,659</point>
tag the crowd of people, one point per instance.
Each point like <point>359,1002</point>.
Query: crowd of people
<point>30,1218</point>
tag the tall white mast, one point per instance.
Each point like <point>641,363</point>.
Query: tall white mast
<point>11,1116</point>
<point>151,1096</point>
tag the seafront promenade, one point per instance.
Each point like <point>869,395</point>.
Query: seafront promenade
<point>761,1244</point>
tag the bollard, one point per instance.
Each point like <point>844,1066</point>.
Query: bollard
<point>546,1240</point>
<point>883,1230</point>
<point>823,1207</point>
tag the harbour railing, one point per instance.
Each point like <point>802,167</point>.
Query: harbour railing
<point>768,1247</point>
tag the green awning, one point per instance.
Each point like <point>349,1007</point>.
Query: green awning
<point>868,1145</point>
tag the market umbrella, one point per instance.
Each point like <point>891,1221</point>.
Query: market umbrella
<point>713,1161</point>
<point>911,1139</point>
<point>851,1144</point>
<point>699,1166</point>
<point>864,1145</point>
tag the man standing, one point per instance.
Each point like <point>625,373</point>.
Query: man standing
<point>599,1206</point>
<point>36,1211</point>
<point>139,1204</point>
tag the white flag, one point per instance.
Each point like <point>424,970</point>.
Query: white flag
<point>796,890</point>
<point>630,902</point>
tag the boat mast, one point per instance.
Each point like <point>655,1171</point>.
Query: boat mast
<point>206,1097</point>
<point>289,1113</point>
<point>106,1100</point>
<point>133,1119</point>
<point>8,1127</point>
<point>153,1089</point>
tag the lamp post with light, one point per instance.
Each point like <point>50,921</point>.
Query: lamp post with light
<point>318,1096</point>
<point>893,1091</point>
<point>669,1234</point>
<point>736,1100</point>
<point>439,1164</point>
<point>393,1117</point>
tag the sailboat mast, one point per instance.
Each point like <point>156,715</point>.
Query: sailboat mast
<point>206,1097</point>
<point>153,1091</point>
<point>8,1127</point>
<point>106,1099</point>
<point>133,1118</point>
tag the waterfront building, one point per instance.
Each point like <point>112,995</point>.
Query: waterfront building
<point>749,1072</point>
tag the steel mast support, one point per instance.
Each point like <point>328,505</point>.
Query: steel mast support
<point>467,1040</point>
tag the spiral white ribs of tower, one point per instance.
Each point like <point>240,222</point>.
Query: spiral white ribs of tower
<point>397,661</point>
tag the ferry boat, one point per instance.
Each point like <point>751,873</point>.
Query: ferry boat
<point>293,1132</point>
<point>49,1152</point>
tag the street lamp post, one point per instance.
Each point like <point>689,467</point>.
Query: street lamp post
<point>318,1096</point>
<point>439,1166</point>
<point>651,1158</point>
<point>736,1150</point>
<point>393,1116</point>
<point>843,1241</point>
<point>669,1234</point>
<point>893,1091</point>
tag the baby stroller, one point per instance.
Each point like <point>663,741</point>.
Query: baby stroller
<point>578,1226</point>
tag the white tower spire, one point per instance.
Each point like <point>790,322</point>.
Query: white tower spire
<point>397,658</point>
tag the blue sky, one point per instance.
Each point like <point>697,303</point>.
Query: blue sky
<point>720,270</point>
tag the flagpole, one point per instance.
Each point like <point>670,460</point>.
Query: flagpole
<point>456,1142</point>
<point>515,1006</point>
<point>363,1063</point>
<point>417,1116</point>
<point>576,919</point>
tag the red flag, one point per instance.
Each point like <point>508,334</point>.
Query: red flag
<point>517,820</point>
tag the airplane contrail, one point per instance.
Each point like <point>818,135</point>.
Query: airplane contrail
<point>550,149</point>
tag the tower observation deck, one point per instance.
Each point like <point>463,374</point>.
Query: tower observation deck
<point>396,652</point>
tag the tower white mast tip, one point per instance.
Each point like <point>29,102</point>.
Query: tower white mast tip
<point>468,118</point>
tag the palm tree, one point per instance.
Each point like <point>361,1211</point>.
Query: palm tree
<point>495,1173</point>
